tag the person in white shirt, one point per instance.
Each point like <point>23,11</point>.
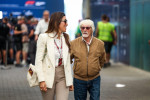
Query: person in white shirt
<point>52,62</point>
<point>42,25</point>
<point>25,41</point>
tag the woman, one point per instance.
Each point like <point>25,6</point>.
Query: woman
<point>53,60</point>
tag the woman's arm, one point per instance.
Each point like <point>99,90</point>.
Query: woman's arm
<point>41,43</point>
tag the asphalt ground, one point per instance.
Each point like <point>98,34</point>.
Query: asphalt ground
<point>118,82</point>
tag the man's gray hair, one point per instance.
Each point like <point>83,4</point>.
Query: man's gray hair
<point>46,11</point>
<point>88,22</point>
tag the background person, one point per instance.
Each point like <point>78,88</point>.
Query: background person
<point>4,32</point>
<point>32,42</point>
<point>42,24</point>
<point>25,40</point>
<point>11,45</point>
<point>104,32</point>
<point>78,31</point>
<point>18,42</point>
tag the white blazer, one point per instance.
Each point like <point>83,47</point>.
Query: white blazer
<point>46,68</point>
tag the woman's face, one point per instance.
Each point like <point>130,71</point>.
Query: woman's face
<point>63,24</point>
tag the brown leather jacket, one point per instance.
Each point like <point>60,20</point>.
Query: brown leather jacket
<point>87,65</point>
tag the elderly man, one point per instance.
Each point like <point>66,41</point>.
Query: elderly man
<point>42,26</point>
<point>89,57</point>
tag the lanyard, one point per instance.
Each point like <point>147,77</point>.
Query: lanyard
<point>58,47</point>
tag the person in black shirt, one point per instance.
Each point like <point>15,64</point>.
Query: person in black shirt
<point>18,42</point>
<point>4,32</point>
<point>32,42</point>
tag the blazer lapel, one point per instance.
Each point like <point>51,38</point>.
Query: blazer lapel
<point>65,50</point>
<point>50,48</point>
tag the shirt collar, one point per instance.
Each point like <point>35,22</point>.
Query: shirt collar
<point>47,21</point>
<point>85,40</point>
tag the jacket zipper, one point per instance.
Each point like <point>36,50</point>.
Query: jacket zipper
<point>87,65</point>
<point>87,60</point>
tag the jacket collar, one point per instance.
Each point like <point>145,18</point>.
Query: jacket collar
<point>86,41</point>
<point>53,35</point>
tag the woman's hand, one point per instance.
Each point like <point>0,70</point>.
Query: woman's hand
<point>71,88</point>
<point>43,86</point>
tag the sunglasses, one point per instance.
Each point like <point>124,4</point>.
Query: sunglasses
<point>65,21</point>
<point>85,27</point>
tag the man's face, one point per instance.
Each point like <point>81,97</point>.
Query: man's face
<point>86,30</point>
<point>46,15</point>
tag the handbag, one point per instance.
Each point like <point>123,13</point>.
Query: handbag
<point>32,77</point>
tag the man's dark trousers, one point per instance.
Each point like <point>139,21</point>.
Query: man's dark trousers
<point>92,86</point>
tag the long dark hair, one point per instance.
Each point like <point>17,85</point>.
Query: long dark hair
<point>54,23</point>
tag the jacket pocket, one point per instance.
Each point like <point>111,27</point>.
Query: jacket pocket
<point>94,69</point>
<point>80,70</point>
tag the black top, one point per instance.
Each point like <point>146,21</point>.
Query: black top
<point>4,31</point>
<point>29,30</point>
<point>18,37</point>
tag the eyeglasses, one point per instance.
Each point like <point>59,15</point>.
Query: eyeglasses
<point>85,27</point>
<point>65,21</point>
